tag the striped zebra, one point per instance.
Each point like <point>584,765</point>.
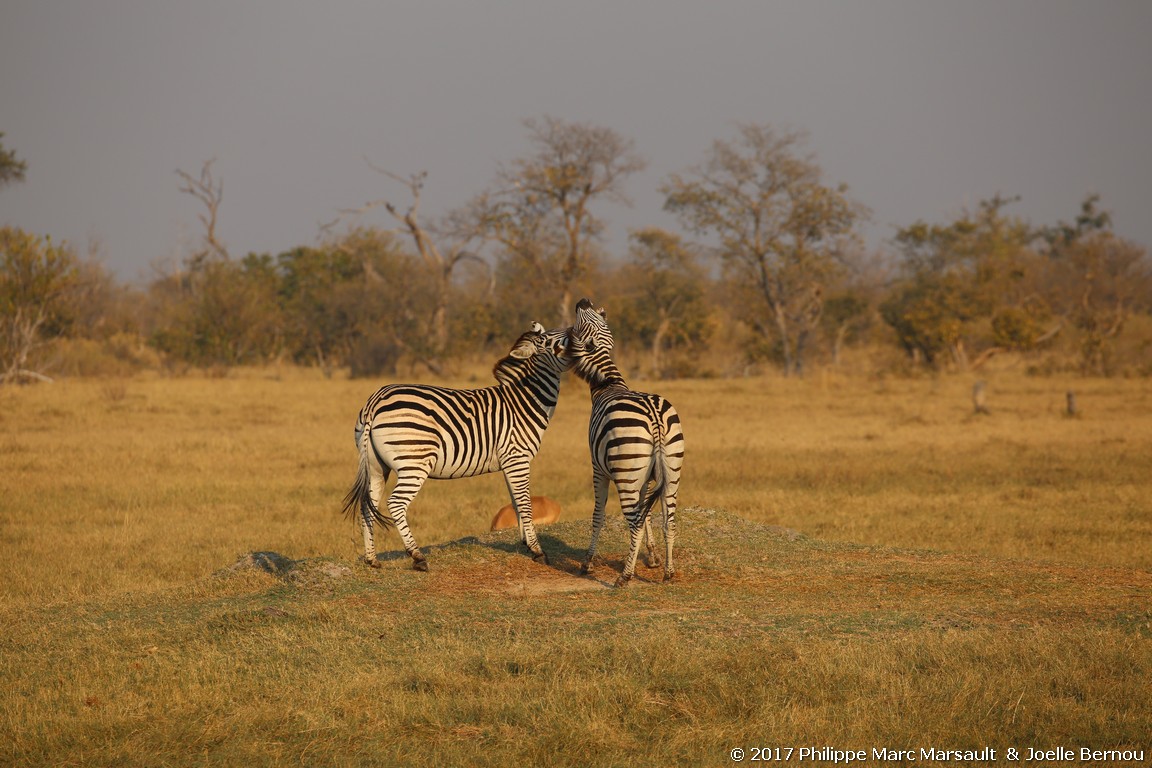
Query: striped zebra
<point>420,431</point>
<point>635,440</point>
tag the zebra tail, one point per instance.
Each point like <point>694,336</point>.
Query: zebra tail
<point>656,474</point>
<point>359,496</point>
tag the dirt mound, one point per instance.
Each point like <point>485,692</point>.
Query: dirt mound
<point>302,572</point>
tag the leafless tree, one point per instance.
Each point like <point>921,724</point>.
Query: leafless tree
<point>442,246</point>
<point>210,192</point>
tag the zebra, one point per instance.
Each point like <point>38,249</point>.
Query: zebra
<point>420,431</point>
<point>635,439</point>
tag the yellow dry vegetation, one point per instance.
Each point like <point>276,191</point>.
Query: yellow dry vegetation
<point>863,563</point>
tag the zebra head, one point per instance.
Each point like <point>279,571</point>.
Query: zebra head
<point>536,352</point>
<point>590,343</point>
<point>591,328</point>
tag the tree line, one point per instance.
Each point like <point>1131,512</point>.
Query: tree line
<point>768,270</point>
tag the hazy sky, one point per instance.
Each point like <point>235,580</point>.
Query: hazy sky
<point>922,107</point>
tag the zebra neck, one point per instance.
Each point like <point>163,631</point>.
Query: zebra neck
<point>606,378</point>
<point>538,383</point>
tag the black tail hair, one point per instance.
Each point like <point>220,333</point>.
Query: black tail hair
<point>359,496</point>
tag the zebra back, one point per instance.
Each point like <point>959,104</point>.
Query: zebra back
<point>466,432</point>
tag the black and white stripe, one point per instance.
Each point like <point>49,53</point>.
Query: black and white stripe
<point>420,431</point>
<point>635,440</point>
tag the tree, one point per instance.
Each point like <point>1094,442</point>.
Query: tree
<point>230,319</point>
<point>211,193</point>
<point>541,212</point>
<point>388,308</point>
<point>1114,281</point>
<point>660,297</point>
<point>359,300</point>
<point>962,279</point>
<point>1096,281</point>
<point>779,229</point>
<point>929,314</point>
<point>11,169</point>
<point>442,248</point>
<point>313,285</point>
<point>1091,220</point>
<point>36,280</point>
<point>221,312</point>
<point>845,314</point>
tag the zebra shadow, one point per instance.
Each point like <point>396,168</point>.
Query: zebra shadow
<point>562,556</point>
<point>556,549</point>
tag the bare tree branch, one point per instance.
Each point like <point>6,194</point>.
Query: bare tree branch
<point>210,192</point>
<point>441,249</point>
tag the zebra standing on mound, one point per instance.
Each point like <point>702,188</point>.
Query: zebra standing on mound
<point>635,439</point>
<point>421,431</point>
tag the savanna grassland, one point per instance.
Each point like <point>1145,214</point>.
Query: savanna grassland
<point>862,564</point>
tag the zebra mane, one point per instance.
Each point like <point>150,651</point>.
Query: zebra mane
<point>513,370</point>
<point>510,369</point>
<point>598,370</point>
<point>524,361</point>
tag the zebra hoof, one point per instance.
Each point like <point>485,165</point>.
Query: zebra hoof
<point>622,581</point>
<point>373,563</point>
<point>653,561</point>
<point>420,565</point>
<point>540,558</point>
<point>669,576</point>
<point>585,568</point>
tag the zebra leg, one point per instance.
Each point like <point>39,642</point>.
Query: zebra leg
<point>408,484</point>
<point>600,491</point>
<point>369,542</point>
<point>516,476</point>
<point>635,531</point>
<point>651,559</point>
<point>635,508</point>
<point>673,462</point>
<point>377,477</point>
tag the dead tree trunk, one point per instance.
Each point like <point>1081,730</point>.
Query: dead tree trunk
<point>209,192</point>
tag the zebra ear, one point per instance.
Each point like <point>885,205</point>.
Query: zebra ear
<point>523,350</point>
<point>537,328</point>
<point>603,314</point>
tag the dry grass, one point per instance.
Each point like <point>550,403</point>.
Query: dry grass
<point>956,582</point>
<point>906,463</point>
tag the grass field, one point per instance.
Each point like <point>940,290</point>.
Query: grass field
<point>863,564</point>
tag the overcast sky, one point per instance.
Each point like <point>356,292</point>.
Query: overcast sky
<point>922,107</point>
